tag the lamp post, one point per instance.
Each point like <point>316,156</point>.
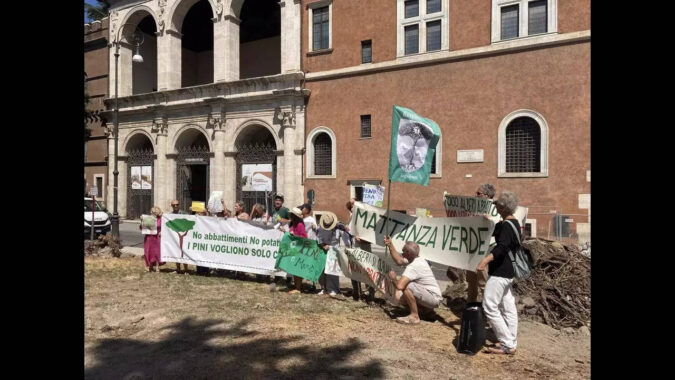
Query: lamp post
<point>138,39</point>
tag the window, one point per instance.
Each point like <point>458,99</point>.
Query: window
<point>412,8</point>
<point>422,27</point>
<point>523,145</point>
<point>366,51</point>
<point>434,35</point>
<point>537,17</point>
<point>320,19</point>
<point>365,126</point>
<point>509,22</point>
<point>321,153</point>
<point>433,6</point>
<point>523,18</point>
<point>523,141</point>
<point>436,162</point>
<point>411,39</point>
<point>98,179</point>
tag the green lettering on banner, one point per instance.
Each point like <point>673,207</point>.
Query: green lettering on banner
<point>446,235</point>
<point>413,232</point>
<point>473,233</point>
<point>372,222</point>
<point>382,225</point>
<point>396,224</point>
<point>452,238</point>
<point>462,239</point>
<point>300,257</point>
<point>426,232</point>
<point>363,215</point>
<point>401,235</point>
<point>432,239</point>
<point>480,239</point>
<point>195,235</point>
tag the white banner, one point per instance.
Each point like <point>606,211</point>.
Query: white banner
<point>332,264</point>
<point>460,206</point>
<point>457,242</point>
<point>371,269</point>
<point>220,243</point>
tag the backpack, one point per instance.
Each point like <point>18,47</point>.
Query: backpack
<point>522,262</point>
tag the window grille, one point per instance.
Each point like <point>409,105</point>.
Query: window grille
<point>365,126</point>
<point>323,155</point>
<point>537,17</point>
<point>509,22</point>
<point>523,146</point>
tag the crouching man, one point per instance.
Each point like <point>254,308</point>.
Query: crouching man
<point>417,288</point>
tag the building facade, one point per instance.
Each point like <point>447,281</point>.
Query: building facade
<point>96,86</point>
<point>307,88</point>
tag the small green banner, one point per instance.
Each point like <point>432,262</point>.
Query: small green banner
<point>300,257</point>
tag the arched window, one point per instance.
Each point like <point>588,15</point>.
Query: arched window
<point>523,145</point>
<point>321,153</point>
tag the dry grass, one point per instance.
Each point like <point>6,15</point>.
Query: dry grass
<point>167,325</point>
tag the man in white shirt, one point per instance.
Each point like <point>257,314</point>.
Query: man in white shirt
<point>308,219</point>
<point>417,288</point>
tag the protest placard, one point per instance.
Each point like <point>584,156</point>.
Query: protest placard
<point>369,268</point>
<point>457,242</point>
<point>460,206</point>
<point>332,263</point>
<point>215,204</point>
<point>148,224</point>
<point>373,195</point>
<point>301,257</point>
<point>219,243</point>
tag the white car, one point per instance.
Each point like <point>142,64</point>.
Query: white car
<point>101,218</point>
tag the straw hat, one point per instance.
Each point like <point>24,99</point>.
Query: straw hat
<point>297,212</point>
<point>328,220</point>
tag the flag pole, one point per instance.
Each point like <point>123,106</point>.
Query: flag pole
<point>386,221</point>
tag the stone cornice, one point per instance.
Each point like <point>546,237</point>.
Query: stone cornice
<point>244,90</point>
<point>512,46</point>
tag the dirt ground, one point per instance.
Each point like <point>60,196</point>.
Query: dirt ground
<point>166,325</point>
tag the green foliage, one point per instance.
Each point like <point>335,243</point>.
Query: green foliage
<point>95,12</point>
<point>180,225</point>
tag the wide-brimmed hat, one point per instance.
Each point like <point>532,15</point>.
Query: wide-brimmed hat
<point>328,220</point>
<point>297,212</point>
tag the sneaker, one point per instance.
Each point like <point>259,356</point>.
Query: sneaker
<point>332,294</point>
<point>320,293</point>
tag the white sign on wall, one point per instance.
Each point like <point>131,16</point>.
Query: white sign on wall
<point>470,155</point>
<point>256,177</point>
<point>584,200</point>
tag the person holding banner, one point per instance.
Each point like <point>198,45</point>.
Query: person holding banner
<point>417,288</point>
<point>152,244</point>
<point>309,221</point>
<point>239,212</point>
<point>175,209</point>
<point>258,214</point>
<point>498,301</point>
<point>280,214</point>
<point>327,237</point>
<point>296,227</point>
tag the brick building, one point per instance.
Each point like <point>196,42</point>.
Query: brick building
<point>96,87</point>
<point>305,89</point>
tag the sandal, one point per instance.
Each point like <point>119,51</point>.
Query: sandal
<point>500,350</point>
<point>294,291</point>
<point>407,320</point>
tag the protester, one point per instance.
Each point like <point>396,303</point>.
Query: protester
<point>417,288</point>
<point>309,221</point>
<point>152,244</point>
<point>327,237</point>
<point>175,209</point>
<point>296,227</point>
<point>475,282</point>
<point>280,214</point>
<point>366,246</point>
<point>239,212</point>
<point>498,301</point>
<point>258,214</point>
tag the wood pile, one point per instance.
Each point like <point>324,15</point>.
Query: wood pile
<point>558,292</point>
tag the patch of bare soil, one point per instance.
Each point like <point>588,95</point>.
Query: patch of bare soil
<point>166,325</point>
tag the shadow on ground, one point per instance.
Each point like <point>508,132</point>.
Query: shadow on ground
<point>188,353</point>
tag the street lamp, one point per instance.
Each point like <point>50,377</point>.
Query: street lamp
<point>137,38</point>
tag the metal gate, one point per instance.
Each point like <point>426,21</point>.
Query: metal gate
<point>139,197</point>
<point>187,159</point>
<point>255,154</point>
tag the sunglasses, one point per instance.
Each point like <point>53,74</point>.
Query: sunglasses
<point>174,205</point>
<point>478,193</point>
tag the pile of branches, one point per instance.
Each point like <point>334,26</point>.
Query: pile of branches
<point>560,284</point>
<point>105,245</point>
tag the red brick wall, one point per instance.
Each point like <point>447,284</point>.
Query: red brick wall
<point>574,15</point>
<point>468,100</point>
<point>470,23</point>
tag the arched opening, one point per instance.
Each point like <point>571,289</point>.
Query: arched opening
<point>323,154</point>
<point>523,145</point>
<point>197,45</point>
<point>144,75</point>
<point>256,166</point>
<point>140,159</point>
<point>192,169</point>
<point>260,39</point>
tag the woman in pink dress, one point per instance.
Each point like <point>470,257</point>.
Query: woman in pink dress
<point>152,244</point>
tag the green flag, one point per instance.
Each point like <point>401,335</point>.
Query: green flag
<point>300,257</point>
<point>413,145</point>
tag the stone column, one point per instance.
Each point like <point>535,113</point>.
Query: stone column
<point>288,124</point>
<point>111,167</point>
<point>125,84</point>
<point>218,172</point>
<point>159,180</point>
<point>169,57</point>
<point>290,35</point>
<point>226,49</point>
